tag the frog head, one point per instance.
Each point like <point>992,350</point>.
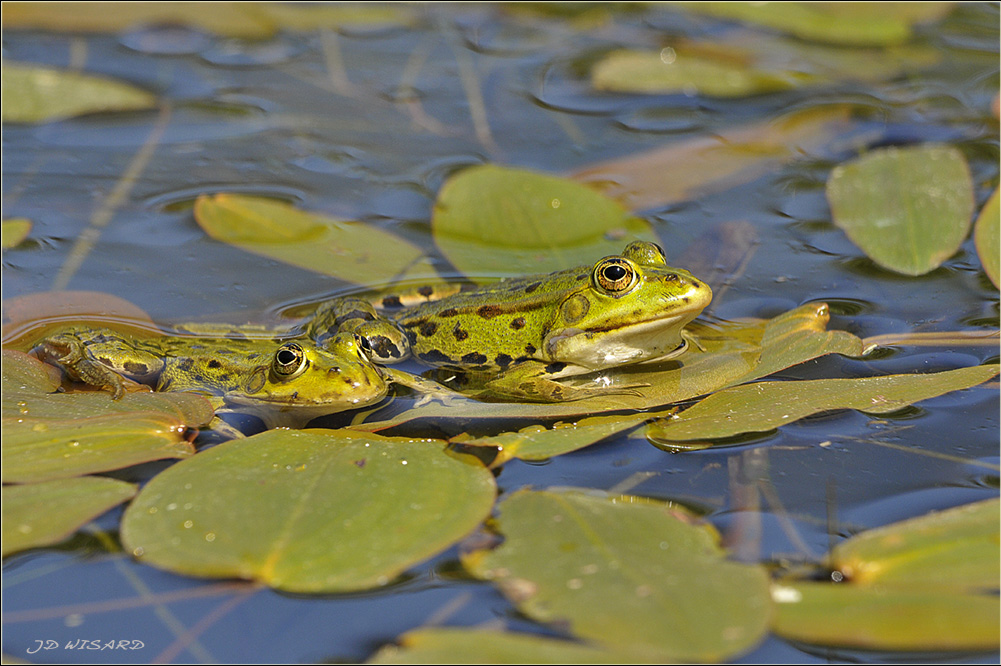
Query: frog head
<point>303,381</point>
<point>633,309</point>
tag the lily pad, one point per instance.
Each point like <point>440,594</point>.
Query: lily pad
<point>625,573</point>
<point>497,221</point>
<point>484,646</point>
<point>986,235</point>
<point>956,548</point>
<point>539,443</point>
<point>14,231</point>
<point>350,251</point>
<point>249,20</point>
<point>913,619</point>
<point>309,510</point>
<point>766,405</point>
<point>908,209</point>
<point>60,435</point>
<point>668,71</point>
<point>34,94</point>
<point>685,170</point>
<point>861,23</point>
<point>41,514</point>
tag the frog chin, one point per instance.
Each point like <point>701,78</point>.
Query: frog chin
<point>658,339</point>
<point>281,411</point>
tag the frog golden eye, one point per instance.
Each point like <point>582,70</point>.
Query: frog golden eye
<point>614,275</point>
<point>289,360</point>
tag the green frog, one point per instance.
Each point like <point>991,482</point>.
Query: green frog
<point>519,335</point>
<point>286,383</point>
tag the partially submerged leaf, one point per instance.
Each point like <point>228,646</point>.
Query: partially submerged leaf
<point>448,645</point>
<point>763,406</point>
<point>908,209</point>
<point>915,618</point>
<point>14,231</point>
<point>627,573</point>
<point>687,169</point>
<point>351,251</point>
<point>539,443</point>
<point>309,510</point>
<point>497,221</point>
<point>956,548</point>
<point>41,514</point>
<point>987,236</point>
<point>34,94</point>
<point>59,435</point>
<point>859,23</point>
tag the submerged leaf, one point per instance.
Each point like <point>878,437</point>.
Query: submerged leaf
<point>859,23</point>
<point>956,548</point>
<point>14,231</point>
<point>39,94</point>
<point>351,251</point>
<point>687,169</point>
<point>627,573</point>
<point>59,435</point>
<point>763,406</point>
<point>309,510</point>
<point>987,235</point>
<point>908,209</point>
<point>483,646</point>
<point>41,514</point>
<point>497,221</point>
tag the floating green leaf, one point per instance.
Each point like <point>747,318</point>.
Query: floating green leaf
<point>351,251</point>
<point>986,235</point>
<point>483,646</point>
<point>915,618</point>
<point>250,20</point>
<point>309,510</point>
<point>14,231</point>
<point>39,94</point>
<point>687,169</point>
<point>59,435</point>
<point>626,573</point>
<point>668,71</point>
<point>41,514</point>
<point>539,443</point>
<point>731,353</point>
<point>859,23</point>
<point>956,548</point>
<point>496,221</point>
<point>908,209</point>
<point>763,406</point>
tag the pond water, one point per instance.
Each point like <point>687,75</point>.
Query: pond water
<point>367,123</point>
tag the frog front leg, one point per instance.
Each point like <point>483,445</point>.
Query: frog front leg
<point>98,359</point>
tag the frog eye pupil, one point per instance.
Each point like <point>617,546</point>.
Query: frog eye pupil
<point>615,276</point>
<point>288,359</point>
<point>614,273</point>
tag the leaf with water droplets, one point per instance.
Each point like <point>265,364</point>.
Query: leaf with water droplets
<point>14,231</point>
<point>497,221</point>
<point>626,573</point>
<point>39,94</point>
<point>309,511</point>
<point>41,514</point>
<point>766,405</point>
<point>908,209</point>
<point>987,236</point>
<point>351,251</point>
<point>50,435</point>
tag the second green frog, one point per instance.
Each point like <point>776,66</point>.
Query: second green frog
<point>519,335</point>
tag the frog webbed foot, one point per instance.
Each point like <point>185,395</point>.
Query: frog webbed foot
<point>431,391</point>
<point>530,383</point>
<point>70,353</point>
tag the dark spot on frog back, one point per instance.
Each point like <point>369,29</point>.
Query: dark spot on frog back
<point>214,363</point>
<point>474,358</point>
<point>427,328</point>
<point>503,360</point>
<point>489,311</point>
<point>532,287</point>
<point>136,368</point>
<point>448,312</point>
<point>518,323</point>
<point>460,333</point>
<point>434,356</point>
